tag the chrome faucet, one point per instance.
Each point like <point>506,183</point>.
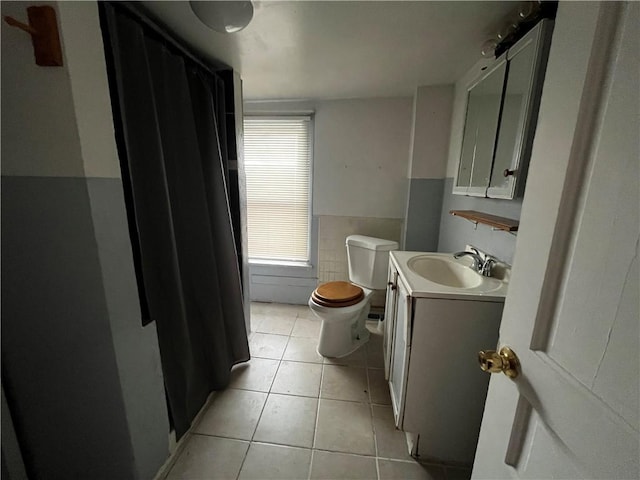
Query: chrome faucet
<point>477,264</point>
<point>482,262</point>
<point>487,266</point>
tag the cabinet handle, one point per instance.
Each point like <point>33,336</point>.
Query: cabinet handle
<point>508,172</point>
<point>391,284</point>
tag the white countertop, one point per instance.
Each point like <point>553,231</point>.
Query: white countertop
<point>490,290</point>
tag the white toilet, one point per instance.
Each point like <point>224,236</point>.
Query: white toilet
<point>344,307</point>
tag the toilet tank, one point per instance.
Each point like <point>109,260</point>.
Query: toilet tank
<point>369,260</point>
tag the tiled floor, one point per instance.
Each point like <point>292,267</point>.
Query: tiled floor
<point>289,413</point>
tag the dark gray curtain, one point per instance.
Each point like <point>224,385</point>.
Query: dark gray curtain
<point>164,107</point>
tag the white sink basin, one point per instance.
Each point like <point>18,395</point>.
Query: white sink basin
<point>443,271</point>
<point>440,275</point>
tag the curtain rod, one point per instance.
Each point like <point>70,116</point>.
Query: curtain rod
<point>138,12</point>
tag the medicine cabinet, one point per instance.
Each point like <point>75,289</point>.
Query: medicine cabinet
<point>501,117</point>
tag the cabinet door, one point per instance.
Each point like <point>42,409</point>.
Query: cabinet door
<point>527,61</point>
<point>400,353</point>
<point>390,318</point>
<point>446,389</point>
<point>481,125</point>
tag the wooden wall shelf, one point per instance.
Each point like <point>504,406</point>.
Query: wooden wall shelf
<point>498,223</point>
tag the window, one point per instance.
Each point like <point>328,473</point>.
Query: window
<point>277,155</point>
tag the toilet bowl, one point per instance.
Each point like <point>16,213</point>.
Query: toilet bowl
<point>344,307</point>
<point>344,327</point>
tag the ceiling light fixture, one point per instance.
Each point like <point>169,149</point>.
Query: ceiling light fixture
<point>223,16</point>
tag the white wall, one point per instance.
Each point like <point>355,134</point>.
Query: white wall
<point>361,147</point>
<point>84,55</point>
<point>431,131</point>
<point>39,134</point>
<point>361,152</point>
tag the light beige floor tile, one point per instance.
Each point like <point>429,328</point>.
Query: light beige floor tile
<point>375,355</point>
<point>275,462</point>
<point>355,359</point>
<point>378,387</point>
<point>296,378</point>
<point>391,442</point>
<point>209,457</point>
<point>344,427</point>
<point>255,320</point>
<point>394,470</point>
<point>305,312</point>
<point>306,327</point>
<point>302,350</point>
<point>340,466</point>
<point>256,374</point>
<point>344,383</point>
<point>232,413</point>
<point>277,325</point>
<point>281,309</point>
<point>265,345</point>
<point>259,307</point>
<point>288,420</point>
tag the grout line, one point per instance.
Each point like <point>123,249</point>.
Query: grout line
<point>246,453</point>
<point>315,428</point>
<point>373,428</point>
<point>268,393</point>
<point>319,398</point>
<point>373,425</point>
<point>313,452</point>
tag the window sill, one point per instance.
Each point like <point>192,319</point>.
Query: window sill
<point>279,263</point>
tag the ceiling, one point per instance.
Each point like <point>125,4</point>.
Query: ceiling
<point>343,49</point>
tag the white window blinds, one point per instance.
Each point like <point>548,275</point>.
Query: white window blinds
<point>277,159</point>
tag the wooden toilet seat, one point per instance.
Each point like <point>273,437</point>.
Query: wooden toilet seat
<point>337,294</point>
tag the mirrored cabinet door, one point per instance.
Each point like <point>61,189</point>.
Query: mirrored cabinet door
<point>500,121</point>
<point>481,127</point>
<point>526,66</point>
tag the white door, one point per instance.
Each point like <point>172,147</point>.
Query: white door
<point>571,314</point>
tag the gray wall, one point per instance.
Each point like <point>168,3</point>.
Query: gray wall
<point>59,367</point>
<point>456,232</point>
<point>136,348</point>
<point>424,208</point>
<point>82,377</point>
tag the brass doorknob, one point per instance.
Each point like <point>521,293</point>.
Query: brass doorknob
<point>504,361</point>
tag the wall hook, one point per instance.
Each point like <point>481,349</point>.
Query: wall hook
<point>22,26</point>
<point>43,28</point>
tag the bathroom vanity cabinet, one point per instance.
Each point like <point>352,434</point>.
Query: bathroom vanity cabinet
<point>431,345</point>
